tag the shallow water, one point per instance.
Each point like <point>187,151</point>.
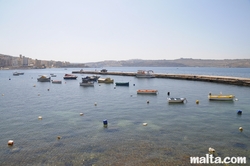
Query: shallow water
<point>173,134</point>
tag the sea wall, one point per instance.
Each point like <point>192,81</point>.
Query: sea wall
<point>208,78</point>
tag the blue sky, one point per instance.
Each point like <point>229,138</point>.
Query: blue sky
<point>97,30</point>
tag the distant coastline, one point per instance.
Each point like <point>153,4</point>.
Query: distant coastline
<point>183,62</point>
<point>22,62</point>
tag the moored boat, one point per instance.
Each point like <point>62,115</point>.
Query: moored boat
<point>145,74</point>
<point>18,73</point>
<point>221,97</point>
<point>43,78</point>
<point>70,76</point>
<point>122,83</point>
<point>147,91</point>
<point>176,100</point>
<point>56,81</point>
<point>105,80</point>
<point>87,82</point>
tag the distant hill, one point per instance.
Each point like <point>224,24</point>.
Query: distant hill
<point>183,62</point>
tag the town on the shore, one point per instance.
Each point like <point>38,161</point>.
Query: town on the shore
<point>23,62</point>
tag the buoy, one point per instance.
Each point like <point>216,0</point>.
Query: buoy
<point>48,89</point>
<point>197,101</point>
<point>241,128</point>
<point>114,87</point>
<point>40,117</point>
<point>95,104</point>
<point>168,93</point>
<point>11,142</point>
<point>2,94</point>
<point>134,84</point>
<point>34,85</point>
<point>211,150</point>
<point>148,101</point>
<point>58,137</point>
<point>38,94</point>
<point>105,122</point>
<point>81,114</point>
<point>239,112</point>
<point>144,124</point>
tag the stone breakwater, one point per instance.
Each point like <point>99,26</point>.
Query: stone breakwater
<point>208,78</point>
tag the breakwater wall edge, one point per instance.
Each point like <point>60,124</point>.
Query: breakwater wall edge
<point>207,78</point>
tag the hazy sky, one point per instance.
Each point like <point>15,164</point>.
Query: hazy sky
<point>96,30</point>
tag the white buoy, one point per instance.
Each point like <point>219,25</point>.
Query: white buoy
<point>241,128</point>
<point>81,114</point>
<point>10,142</point>
<point>211,150</point>
<point>40,117</point>
<point>144,124</point>
<point>34,85</point>
<point>95,104</point>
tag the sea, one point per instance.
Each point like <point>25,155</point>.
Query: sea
<point>62,124</point>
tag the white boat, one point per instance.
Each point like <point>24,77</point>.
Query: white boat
<point>43,78</point>
<point>89,83</point>
<point>145,74</point>
<point>147,91</point>
<point>176,100</point>
<point>221,97</point>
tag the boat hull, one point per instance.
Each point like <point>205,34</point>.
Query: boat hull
<point>86,84</point>
<point>221,97</point>
<point>176,100</point>
<point>56,82</point>
<point>147,91</point>
<point>122,83</point>
<point>106,81</point>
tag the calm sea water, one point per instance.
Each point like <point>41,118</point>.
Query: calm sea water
<point>173,134</point>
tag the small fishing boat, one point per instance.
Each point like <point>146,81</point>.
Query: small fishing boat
<point>147,91</point>
<point>145,74</point>
<point>221,97</point>
<point>176,100</point>
<point>122,83</point>
<point>105,80</point>
<point>43,78</point>
<point>15,74</point>
<point>87,82</point>
<point>18,73</point>
<point>70,76</point>
<point>56,81</point>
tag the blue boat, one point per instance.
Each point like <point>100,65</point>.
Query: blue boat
<point>122,83</point>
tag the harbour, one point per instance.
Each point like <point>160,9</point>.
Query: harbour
<point>63,124</point>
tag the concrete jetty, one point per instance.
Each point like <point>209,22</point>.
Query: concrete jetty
<point>207,78</point>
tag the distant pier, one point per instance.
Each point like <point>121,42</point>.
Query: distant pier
<point>207,78</point>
